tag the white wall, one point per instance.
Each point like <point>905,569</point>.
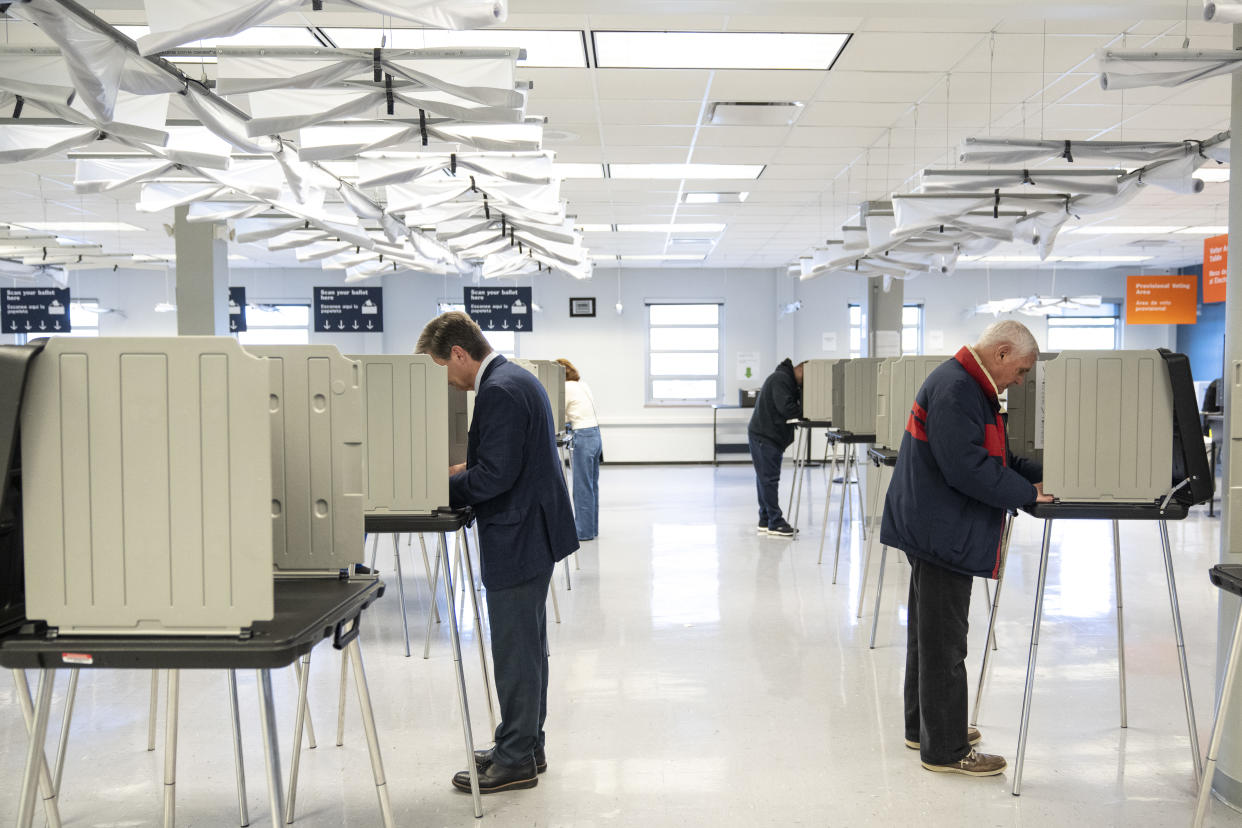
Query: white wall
<point>609,349</point>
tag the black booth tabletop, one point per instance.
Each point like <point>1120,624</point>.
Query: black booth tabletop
<point>307,610</point>
<point>1107,511</point>
<point>836,435</point>
<point>1228,577</point>
<point>442,521</point>
<point>882,456</point>
<point>798,421</point>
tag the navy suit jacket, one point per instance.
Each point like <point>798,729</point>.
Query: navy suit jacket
<point>513,479</point>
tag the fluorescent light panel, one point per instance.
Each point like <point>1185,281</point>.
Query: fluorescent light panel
<point>682,171</point>
<point>594,228</point>
<point>544,47</point>
<point>670,228</point>
<point>82,226</point>
<point>574,170</point>
<point>664,257</point>
<point>1123,230</point>
<point>714,198</point>
<point>1205,230</point>
<point>716,50</point>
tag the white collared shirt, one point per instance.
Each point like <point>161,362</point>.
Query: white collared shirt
<point>487,360</point>
<point>985,370</point>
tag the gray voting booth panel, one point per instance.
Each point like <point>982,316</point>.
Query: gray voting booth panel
<point>898,380</point>
<point>1020,405</point>
<point>551,376</point>
<point>317,492</point>
<point>147,483</point>
<point>461,405</point>
<point>1108,426</point>
<point>405,410</point>
<point>817,389</point>
<point>853,394</point>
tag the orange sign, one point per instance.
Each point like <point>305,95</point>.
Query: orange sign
<point>1161,300</point>
<point>1215,268</point>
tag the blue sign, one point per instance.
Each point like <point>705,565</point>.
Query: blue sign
<point>237,309</point>
<point>35,311</point>
<point>500,309</point>
<point>349,310</point>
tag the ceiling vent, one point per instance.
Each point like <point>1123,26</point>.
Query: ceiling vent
<point>752,113</point>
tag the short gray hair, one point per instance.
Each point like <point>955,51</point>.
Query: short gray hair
<point>1008,332</point>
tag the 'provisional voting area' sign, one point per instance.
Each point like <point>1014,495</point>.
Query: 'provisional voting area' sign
<point>35,311</point>
<point>237,309</point>
<point>500,309</point>
<point>1161,300</point>
<point>349,310</point>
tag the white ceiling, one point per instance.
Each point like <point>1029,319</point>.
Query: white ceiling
<point>916,78</point>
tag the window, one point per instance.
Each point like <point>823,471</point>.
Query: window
<point>1087,329</point>
<point>912,329</point>
<point>276,325</point>
<point>684,354</point>
<point>858,328</point>
<point>503,342</point>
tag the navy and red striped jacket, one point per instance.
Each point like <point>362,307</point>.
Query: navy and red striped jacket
<point>955,476</point>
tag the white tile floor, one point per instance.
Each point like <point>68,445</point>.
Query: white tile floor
<point>707,676</point>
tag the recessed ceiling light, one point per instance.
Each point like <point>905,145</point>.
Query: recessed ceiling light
<point>1205,230</point>
<point>81,226</point>
<point>572,170</point>
<point>1123,230</point>
<point>754,113</point>
<point>670,228</point>
<point>714,198</point>
<point>1213,175</point>
<point>716,50</point>
<point>553,48</point>
<point>680,171</point>
<point>594,228</point>
<point>666,257</point>
<point>1120,259</point>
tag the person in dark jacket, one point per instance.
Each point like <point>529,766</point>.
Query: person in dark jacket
<point>945,508</point>
<point>769,432</point>
<point>512,477</point>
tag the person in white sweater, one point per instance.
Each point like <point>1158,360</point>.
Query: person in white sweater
<point>587,450</point>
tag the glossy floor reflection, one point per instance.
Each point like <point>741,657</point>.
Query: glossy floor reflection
<point>704,675</point>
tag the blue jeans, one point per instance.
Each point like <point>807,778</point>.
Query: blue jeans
<point>767,461</point>
<point>587,450</point>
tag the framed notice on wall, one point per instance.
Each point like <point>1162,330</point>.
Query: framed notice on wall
<point>582,306</point>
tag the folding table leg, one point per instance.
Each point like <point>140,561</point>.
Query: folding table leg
<point>170,748</point>
<point>295,762</point>
<point>845,489</point>
<point>435,582</point>
<point>478,633</point>
<point>36,773</point>
<point>368,727</point>
<point>1121,632</point>
<point>1030,661</point>
<point>870,541</point>
<point>461,682</point>
<point>405,622</point>
<point>310,724</point>
<point>340,704</point>
<point>239,762</point>
<point>1181,650</point>
<point>987,605</point>
<point>1218,723</point>
<point>556,605</point>
<point>862,504</point>
<point>568,584</point>
<point>823,530</point>
<point>374,548</point>
<point>799,474</point>
<point>879,593</point>
<point>995,601</point>
<point>271,746</point>
<point>63,744</point>
<point>435,606</point>
<point>155,694</point>
<point>794,480</point>
<point>46,786</point>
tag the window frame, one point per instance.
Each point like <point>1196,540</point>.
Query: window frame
<point>917,327</point>
<point>649,381</point>
<point>252,328</point>
<point>1070,314</point>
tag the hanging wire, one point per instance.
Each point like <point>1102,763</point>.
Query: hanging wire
<point>948,148</point>
<point>1186,27</point>
<point>991,73</point>
<point>1043,79</point>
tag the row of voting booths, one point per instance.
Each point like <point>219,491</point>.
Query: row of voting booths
<point>1117,433</point>
<point>184,503</point>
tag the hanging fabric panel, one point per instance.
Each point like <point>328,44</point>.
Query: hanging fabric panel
<point>22,142</point>
<point>1133,70</point>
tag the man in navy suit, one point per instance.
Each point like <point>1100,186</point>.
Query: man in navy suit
<point>512,478</point>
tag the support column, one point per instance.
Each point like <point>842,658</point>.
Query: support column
<point>884,316</point>
<point>202,278</point>
<point>1228,780</point>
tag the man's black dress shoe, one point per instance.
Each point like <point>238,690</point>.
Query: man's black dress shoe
<point>483,758</point>
<point>494,777</point>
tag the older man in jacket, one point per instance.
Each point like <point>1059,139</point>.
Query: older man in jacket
<point>945,508</point>
<point>513,480</point>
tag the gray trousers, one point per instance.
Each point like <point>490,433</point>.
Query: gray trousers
<point>520,657</point>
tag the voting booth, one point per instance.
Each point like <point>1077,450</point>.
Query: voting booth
<point>817,389</point>
<point>898,380</point>
<point>551,375</point>
<point>147,486</point>
<point>316,422</point>
<point>853,395</point>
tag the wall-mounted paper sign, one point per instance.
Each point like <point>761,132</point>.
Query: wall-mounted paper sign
<point>830,341</point>
<point>935,341</point>
<point>748,365</point>
<point>887,344</point>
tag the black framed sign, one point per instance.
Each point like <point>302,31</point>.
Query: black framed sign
<point>582,306</point>
<point>237,309</point>
<point>35,311</point>
<point>500,309</point>
<point>349,310</point>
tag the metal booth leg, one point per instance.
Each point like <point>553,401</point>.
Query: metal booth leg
<point>405,622</point>
<point>155,695</point>
<point>62,745</point>
<point>36,774</point>
<point>987,605</point>
<point>295,763</point>
<point>1218,723</point>
<point>340,704</point>
<point>800,473</point>
<point>879,593</point>
<point>556,605</point>
<point>471,769</point>
<point>243,812</point>
<point>1006,532</point>
<point>793,481</point>
<point>1181,650</point>
<point>862,504</point>
<point>271,746</point>
<point>298,669</point>
<point>368,727</point>
<point>1121,632</point>
<point>374,548</point>
<point>434,581</point>
<point>435,607</point>
<point>823,530</point>
<point>1030,661</point>
<point>845,490</point>
<point>48,790</point>
<point>869,541</point>
<point>478,630</point>
<point>170,748</point>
